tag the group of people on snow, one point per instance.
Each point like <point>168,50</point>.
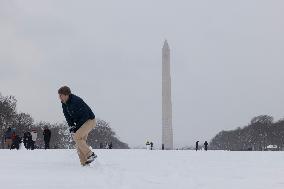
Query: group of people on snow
<point>29,139</point>
<point>107,145</point>
<point>12,140</point>
<point>205,145</point>
<point>149,145</point>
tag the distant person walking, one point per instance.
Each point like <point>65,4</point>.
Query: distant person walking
<point>151,145</point>
<point>34,138</point>
<point>16,142</point>
<point>8,138</point>
<point>81,121</point>
<point>46,137</point>
<point>196,145</point>
<point>13,134</point>
<point>206,145</point>
<point>26,137</point>
<point>28,140</point>
<point>110,145</point>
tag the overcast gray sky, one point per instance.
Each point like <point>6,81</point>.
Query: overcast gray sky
<point>226,56</point>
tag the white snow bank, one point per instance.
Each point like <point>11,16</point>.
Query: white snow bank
<point>141,169</point>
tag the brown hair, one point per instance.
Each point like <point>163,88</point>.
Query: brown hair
<point>64,90</point>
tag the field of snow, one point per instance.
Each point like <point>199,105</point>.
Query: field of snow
<point>141,169</point>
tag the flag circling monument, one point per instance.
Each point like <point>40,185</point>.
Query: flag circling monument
<point>167,130</point>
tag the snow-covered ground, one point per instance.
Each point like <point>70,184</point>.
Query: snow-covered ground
<point>141,169</point>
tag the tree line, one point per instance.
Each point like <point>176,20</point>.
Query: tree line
<point>61,138</point>
<point>257,135</point>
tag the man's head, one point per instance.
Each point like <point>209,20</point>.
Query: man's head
<point>64,93</point>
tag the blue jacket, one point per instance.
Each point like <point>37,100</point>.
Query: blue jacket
<point>76,112</point>
<point>8,134</point>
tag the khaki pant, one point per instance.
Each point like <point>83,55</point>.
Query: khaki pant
<point>80,138</point>
<point>8,143</point>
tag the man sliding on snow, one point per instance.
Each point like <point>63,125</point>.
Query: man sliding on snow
<point>81,121</point>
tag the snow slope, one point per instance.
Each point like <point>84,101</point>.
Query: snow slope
<point>141,169</point>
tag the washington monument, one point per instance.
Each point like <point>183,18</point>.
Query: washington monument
<point>167,138</point>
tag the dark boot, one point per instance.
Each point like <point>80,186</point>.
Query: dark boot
<point>91,158</point>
